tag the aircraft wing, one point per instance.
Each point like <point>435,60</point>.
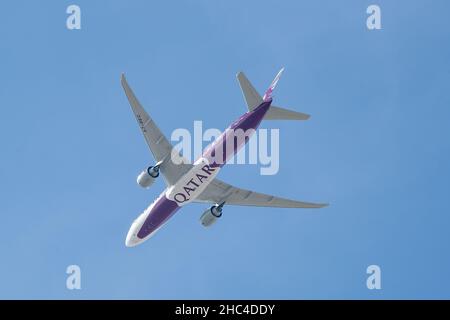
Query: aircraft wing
<point>160,147</point>
<point>219,191</point>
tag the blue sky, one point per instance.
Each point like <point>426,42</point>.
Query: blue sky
<point>376,148</point>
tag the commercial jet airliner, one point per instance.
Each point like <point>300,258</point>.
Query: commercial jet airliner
<point>197,182</point>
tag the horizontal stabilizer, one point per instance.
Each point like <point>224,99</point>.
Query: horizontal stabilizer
<point>277,113</point>
<point>251,96</point>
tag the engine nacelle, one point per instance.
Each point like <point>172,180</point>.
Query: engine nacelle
<point>146,178</point>
<point>211,215</point>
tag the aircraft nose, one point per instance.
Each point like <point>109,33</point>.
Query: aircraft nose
<point>132,240</point>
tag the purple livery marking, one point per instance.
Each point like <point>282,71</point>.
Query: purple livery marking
<point>162,210</point>
<point>249,121</point>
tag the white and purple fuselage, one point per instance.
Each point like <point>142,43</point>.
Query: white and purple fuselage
<point>194,182</point>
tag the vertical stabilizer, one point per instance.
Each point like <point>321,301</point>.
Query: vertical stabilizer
<point>268,94</point>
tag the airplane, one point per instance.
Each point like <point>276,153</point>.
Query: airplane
<point>197,182</point>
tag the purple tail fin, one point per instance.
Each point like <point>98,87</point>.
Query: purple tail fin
<point>268,94</point>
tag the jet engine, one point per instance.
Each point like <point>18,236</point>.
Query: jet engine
<point>211,215</point>
<point>146,178</point>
